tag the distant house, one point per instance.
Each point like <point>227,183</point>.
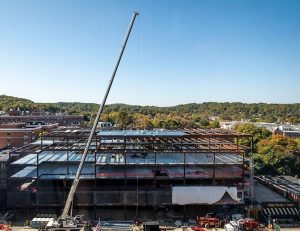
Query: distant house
<point>229,125</point>
<point>291,134</point>
<point>287,133</point>
<point>212,118</point>
<point>105,124</point>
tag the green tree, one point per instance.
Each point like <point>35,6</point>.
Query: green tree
<point>258,134</point>
<point>123,119</point>
<point>215,124</point>
<point>200,121</point>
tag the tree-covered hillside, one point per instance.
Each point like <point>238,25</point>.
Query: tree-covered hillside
<point>8,102</point>
<point>195,115</point>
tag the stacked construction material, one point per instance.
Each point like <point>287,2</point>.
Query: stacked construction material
<point>41,220</point>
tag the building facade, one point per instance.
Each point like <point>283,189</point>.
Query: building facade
<point>62,120</point>
<point>4,173</point>
<point>15,135</point>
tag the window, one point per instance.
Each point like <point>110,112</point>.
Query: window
<point>240,195</point>
<point>2,184</point>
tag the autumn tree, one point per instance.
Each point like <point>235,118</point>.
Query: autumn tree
<point>278,155</point>
<point>142,121</point>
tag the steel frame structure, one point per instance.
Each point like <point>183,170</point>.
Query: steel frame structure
<point>187,142</point>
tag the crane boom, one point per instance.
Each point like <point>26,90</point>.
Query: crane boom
<point>86,149</point>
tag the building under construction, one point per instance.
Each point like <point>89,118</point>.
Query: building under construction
<point>134,174</point>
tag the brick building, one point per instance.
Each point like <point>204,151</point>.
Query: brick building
<point>18,134</point>
<point>62,120</point>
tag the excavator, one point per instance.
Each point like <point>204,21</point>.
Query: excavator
<point>66,222</point>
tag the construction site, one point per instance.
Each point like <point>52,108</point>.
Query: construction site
<point>134,174</point>
<point>143,179</point>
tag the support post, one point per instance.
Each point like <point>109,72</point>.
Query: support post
<point>125,161</point>
<point>68,157</point>
<point>251,174</point>
<point>214,170</point>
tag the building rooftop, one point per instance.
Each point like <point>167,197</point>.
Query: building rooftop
<point>193,140</point>
<point>288,184</point>
<point>149,133</point>
<point>12,125</point>
<point>141,133</point>
<point>263,194</point>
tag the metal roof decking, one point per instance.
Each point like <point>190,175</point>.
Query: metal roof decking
<point>141,133</point>
<point>218,133</point>
<point>132,159</point>
<point>199,140</point>
<point>60,171</point>
<point>281,182</point>
<point>27,172</point>
<point>264,194</point>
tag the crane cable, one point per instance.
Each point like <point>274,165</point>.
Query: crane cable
<point>138,62</point>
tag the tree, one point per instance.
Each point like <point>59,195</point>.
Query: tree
<point>298,142</point>
<point>258,134</point>
<point>158,121</point>
<point>123,119</point>
<point>279,155</point>
<point>186,115</point>
<point>200,121</point>
<point>215,124</point>
<point>277,143</point>
<point>142,121</point>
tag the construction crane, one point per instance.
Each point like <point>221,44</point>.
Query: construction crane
<point>66,220</point>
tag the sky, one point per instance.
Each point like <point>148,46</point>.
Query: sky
<point>178,51</point>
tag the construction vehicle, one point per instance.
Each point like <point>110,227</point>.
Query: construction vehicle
<point>3,222</point>
<point>248,224</point>
<point>197,228</point>
<point>209,221</point>
<point>66,221</point>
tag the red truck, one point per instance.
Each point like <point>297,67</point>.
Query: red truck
<point>208,221</point>
<point>248,224</point>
